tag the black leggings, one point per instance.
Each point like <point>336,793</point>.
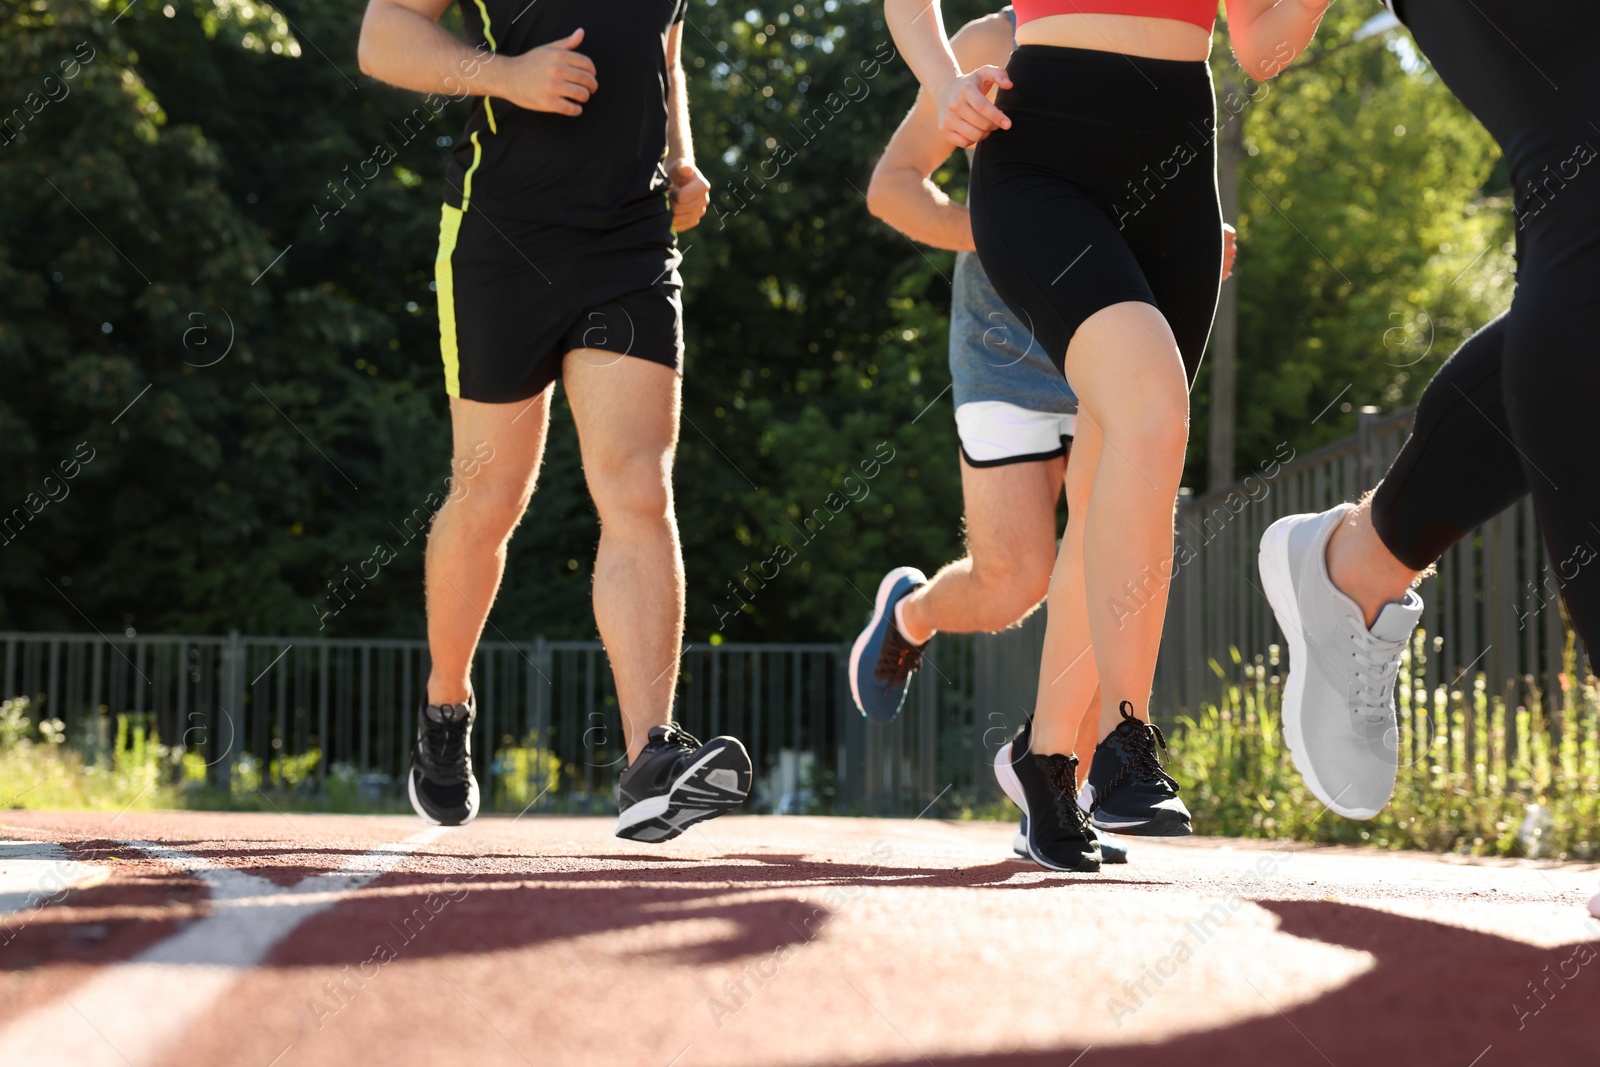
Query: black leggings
<point>1103,190</point>
<point>1515,410</point>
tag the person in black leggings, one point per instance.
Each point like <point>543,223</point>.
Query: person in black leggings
<point>1512,411</point>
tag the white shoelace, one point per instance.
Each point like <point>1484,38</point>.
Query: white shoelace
<point>1377,666</point>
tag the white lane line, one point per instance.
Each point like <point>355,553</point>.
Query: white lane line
<point>34,873</point>
<point>134,1013</point>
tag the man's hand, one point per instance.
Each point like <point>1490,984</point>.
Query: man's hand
<point>691,195</point>
<point>966,114</point>
<point>1230,250</point>
<point>553,77</point>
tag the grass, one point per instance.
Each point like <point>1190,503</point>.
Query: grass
<point>1477,776</point>
<point>121,764</point>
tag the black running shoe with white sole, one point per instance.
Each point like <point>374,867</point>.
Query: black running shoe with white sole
<point>1058,833</point>
<point>441,785</point>
<point>1012,787</point>
<point>677,781</point>
<point>1128,791</point>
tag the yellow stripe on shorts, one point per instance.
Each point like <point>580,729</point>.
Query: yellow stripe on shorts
<point>444,282</point>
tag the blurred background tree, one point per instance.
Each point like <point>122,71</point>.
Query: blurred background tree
<point>203,280</point>
<point>1374,233</point>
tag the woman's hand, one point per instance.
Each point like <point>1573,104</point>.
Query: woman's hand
<point>1230,250</point>
<point>966,114</point>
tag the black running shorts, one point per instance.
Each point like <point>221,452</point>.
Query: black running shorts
<point>515,296</point>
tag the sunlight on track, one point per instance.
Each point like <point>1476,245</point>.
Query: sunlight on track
<point>132,1013</point>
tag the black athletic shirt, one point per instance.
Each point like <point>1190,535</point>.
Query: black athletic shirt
<point>601,169</point>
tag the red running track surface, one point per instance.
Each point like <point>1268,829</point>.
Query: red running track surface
<point>273,941</point>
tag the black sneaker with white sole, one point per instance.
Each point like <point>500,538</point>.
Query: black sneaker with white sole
<point>1128,791</point>
<point>677,781</point>
<point>1058,832</point>
<point>1005,771</point>
<point>442,787</point>
<point>1109,851</point>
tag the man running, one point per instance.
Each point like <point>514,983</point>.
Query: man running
<point>1014,417</point>
<point>558,258</point>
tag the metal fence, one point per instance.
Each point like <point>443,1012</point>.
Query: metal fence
<point>1491,607</point>
<point>548,735</point>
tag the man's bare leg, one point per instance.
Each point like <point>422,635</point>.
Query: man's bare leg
<point>626,411</point>
<point>497,450</point>
<point>1011,532</point>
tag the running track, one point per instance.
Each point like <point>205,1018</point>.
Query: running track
<point>278,941</point>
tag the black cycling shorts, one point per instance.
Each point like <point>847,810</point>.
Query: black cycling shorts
<point>516,295</point>
<point>1104,190</point>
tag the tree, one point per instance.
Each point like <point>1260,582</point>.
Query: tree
<point>215,276</point>
<point>1374,238</point>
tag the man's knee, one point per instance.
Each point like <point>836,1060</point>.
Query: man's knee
<point>1011,588</point>
<point>490,501</point>
<point>636,484</point>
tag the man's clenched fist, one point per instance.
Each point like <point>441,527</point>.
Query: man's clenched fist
<point>691,195</point>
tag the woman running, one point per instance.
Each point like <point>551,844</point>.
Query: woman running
<point>1511,413</point>
<point>1095,213</point>
<point>1014,417</point>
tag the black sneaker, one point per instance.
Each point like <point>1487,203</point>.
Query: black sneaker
<point>443,790</point>
<point>1059,835</point>
<point>677,782</point>
<point>1109,852</point>
<point>1128,792</point>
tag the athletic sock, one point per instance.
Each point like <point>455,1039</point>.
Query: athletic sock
<point>900,624</point>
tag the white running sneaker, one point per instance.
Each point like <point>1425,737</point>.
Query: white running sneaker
<point>1594,905</point>
<point>1338,706</point>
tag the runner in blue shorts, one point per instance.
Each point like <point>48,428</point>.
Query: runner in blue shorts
<point>1014,417</point>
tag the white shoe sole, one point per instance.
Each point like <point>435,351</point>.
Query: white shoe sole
<point>1594,905</point>
<point>676,813</point>
<point>881,605</point>
<point>1010,784</point>
<point>1277,580</point>
<point>1012,787</point>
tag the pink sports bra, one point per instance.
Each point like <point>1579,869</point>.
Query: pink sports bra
<point>1202,13</point>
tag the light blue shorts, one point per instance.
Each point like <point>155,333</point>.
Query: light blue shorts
<point>1012,405</point>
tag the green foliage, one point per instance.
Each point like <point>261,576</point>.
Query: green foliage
<point>1476,775</point>
<point>524,774</point>
<point>102,771</point>
<point>1370,245</point>
<point>203,187</point>
<point>123,765</point>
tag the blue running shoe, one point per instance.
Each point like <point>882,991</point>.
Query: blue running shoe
<point>882,661</point>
